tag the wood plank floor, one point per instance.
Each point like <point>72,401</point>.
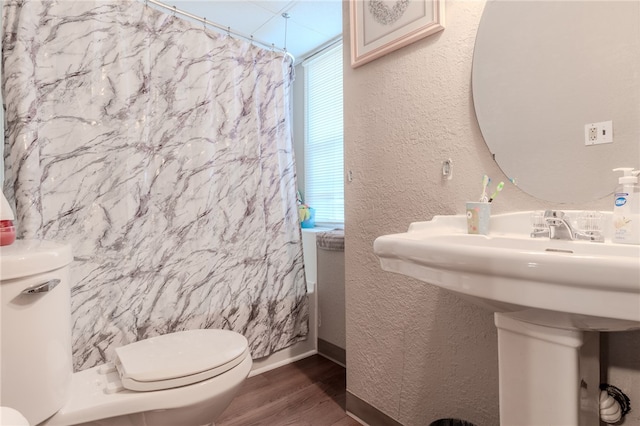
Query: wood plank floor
<point>309,392</point>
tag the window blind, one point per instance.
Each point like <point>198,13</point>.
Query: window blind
<point>323,148</point>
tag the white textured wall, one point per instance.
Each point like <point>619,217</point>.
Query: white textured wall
<point>415,352</point>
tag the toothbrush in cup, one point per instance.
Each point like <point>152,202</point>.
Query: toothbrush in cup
<point>497,191</point>
<point>485,183</point>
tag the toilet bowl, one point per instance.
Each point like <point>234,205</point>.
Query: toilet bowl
<point>185,378</point>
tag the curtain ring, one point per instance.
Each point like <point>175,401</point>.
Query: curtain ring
<point>228,31</point>
<point>174,11</point>
<point>204,23</point>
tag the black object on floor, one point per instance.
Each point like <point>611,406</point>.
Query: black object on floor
<point>451,422</point>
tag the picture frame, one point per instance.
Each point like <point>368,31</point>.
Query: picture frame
<point>378,27</point>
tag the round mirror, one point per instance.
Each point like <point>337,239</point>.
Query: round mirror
<point>553,83</point>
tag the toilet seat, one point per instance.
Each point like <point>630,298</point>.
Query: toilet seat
<point>92,399</point>
<point>179,359</point>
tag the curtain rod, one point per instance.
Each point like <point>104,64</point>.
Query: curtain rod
<point>321,49</point>
<point>228,30</point>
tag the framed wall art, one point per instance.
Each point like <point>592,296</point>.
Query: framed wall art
<point>382,26</point>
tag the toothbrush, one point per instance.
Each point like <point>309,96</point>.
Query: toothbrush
<point>485,183</point>
<point>498,189</point>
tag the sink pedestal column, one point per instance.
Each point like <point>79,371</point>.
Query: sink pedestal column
<point>548,376</point>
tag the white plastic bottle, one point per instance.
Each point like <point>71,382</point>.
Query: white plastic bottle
<point>626,208</point>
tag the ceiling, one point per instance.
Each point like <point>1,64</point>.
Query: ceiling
<point>311,23</point>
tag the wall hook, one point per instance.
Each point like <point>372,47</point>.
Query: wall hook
<point>447,169</point>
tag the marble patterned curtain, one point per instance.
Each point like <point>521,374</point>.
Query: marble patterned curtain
<point>161,151</point>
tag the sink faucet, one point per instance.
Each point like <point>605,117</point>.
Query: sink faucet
<point>559,226</point>
<point>560,229</point>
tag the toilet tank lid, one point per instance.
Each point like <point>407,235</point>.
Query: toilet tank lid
<point>30,257</point>
<point>179,354</point>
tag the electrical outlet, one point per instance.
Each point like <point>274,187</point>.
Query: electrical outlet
<point>598,133</point>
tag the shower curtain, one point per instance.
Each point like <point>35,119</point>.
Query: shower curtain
<point>161,152</point>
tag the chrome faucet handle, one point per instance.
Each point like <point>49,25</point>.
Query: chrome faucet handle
<point>594,236</point>
<point>590,224</point>
<point>540,228</point>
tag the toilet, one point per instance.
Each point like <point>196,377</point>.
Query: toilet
<point>185,378</point>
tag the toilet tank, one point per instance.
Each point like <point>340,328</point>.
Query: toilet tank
<point>35,327</point>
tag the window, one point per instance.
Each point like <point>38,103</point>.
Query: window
<point>323,146</point>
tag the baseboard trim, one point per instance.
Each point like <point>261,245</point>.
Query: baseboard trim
<point>361,410</point>
<point>263,365</point>
<point>333,352</point>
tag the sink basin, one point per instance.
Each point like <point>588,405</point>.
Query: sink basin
<point>550,299</point>
<point>574,285</point>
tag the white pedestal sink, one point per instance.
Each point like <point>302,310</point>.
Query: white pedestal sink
<point>551,298</point>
